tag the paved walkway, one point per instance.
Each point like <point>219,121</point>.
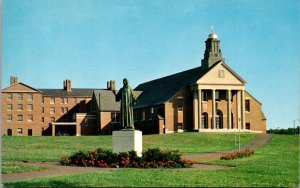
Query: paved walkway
<point>53,169</point>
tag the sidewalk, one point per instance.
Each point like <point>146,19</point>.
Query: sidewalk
<point>57,170</point>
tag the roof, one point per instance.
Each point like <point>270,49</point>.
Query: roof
<point>4,90</point>
<point>159,91</point>
<point>108,100</point>
<point>75,92</point>
<point>253,97</point>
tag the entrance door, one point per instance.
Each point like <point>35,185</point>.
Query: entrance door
<point>9,132</point>
<point>29,132</point>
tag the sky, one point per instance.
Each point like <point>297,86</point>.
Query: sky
<point>92,41</point>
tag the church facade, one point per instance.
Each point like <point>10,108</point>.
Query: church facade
<point>208,98</point>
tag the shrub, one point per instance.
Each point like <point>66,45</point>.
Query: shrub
<point>235,155</point>
<point>151,158</point>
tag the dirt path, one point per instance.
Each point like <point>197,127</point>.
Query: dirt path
<point>57,170</point>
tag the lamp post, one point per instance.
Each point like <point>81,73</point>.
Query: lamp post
<point>239,126</point>
<point>295,125</point>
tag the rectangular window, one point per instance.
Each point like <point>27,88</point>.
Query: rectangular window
<point>43,119</point>
<point>30,97</point>
<point>43,99</point>
<point>43,110</point>
<point>247,105</point>
<point>218,96</point>
<point>30,118</point>
<point>63,100</point>
<point>204,95</point>
<point>115,117</point>
<point>143,115</point>
<point>9,96</point>
<point>30,107</point>
<point>9,118</point>
<point>20,117</point>
<point>52,110</point>
<point>20,106</point>
<point>20,96</point>
<point>248,126</point>
<point>52,119</point>
<point>52,100</point>
<point>9,106</point>
<point>19,131</point>
<point>63,110</point>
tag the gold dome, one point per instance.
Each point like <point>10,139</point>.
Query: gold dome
<point>213,36</point>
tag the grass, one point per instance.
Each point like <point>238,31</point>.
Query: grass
<point>14,168</point>
<point>276,165</point>
<point>39,149</point>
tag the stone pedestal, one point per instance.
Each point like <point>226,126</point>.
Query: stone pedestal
<point>126,140</point>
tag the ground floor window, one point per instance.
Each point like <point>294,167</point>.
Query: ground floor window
<point>219,120</point>
<point>248,126</point>
<point>19,131</point>
<point>180,126</point>
<point>9,132</point>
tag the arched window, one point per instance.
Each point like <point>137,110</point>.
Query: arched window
<point>204,120</point>
<point>219,119</point>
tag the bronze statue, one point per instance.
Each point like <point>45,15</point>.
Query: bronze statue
<point>125,94</point>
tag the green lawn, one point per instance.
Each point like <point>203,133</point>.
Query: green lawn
<point>13,168</point>
<point>52,148</point>
<point>275,165</point>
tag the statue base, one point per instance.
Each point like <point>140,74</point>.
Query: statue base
<point>127,140</point>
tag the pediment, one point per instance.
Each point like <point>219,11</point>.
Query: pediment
<point>20,87</point>
<point>221,74</point>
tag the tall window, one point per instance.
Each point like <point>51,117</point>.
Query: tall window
<point>43,99</point>
<point>9,118</point>
<point>247,105</point>
<point>20,117</point>
<point>43,119</point>
<point>29,107</point>
<point>30,97</point>
<point>43,110</point>
<point>205,120</point>
<point>30,118</point>
<point>204,95</point>
<point>9,107</point>
<point>9,96</point>
<point>20,96</point>
<point>52,110</point>
<point>218,95</point>
<point>248,126</point>
<point>20,106</point>
<point>52,100</point>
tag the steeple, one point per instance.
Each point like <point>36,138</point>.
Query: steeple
<point>212,52</point>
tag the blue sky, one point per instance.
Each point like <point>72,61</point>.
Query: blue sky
<point>92,41</point>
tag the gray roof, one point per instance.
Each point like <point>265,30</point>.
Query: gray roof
<point>159,91</point>
<point>108,100</point>
<point>75,92</point>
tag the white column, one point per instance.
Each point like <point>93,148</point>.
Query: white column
<point>243,111</point>
<point>228,109</point>
<point>213,109</point>
<point>195,107</point>
<point>238,103</point>
<point>200,108</point>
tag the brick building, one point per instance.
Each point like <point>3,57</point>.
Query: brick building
<point>208,98</point>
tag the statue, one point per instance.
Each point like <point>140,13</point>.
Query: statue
<point>125,94</point>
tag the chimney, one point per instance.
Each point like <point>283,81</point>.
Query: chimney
<point>13,80</point>
<point>111,85</point>
<point>67,85</point>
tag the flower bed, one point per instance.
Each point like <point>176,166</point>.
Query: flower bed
<point>235,155</point>
<point>151,158</point>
